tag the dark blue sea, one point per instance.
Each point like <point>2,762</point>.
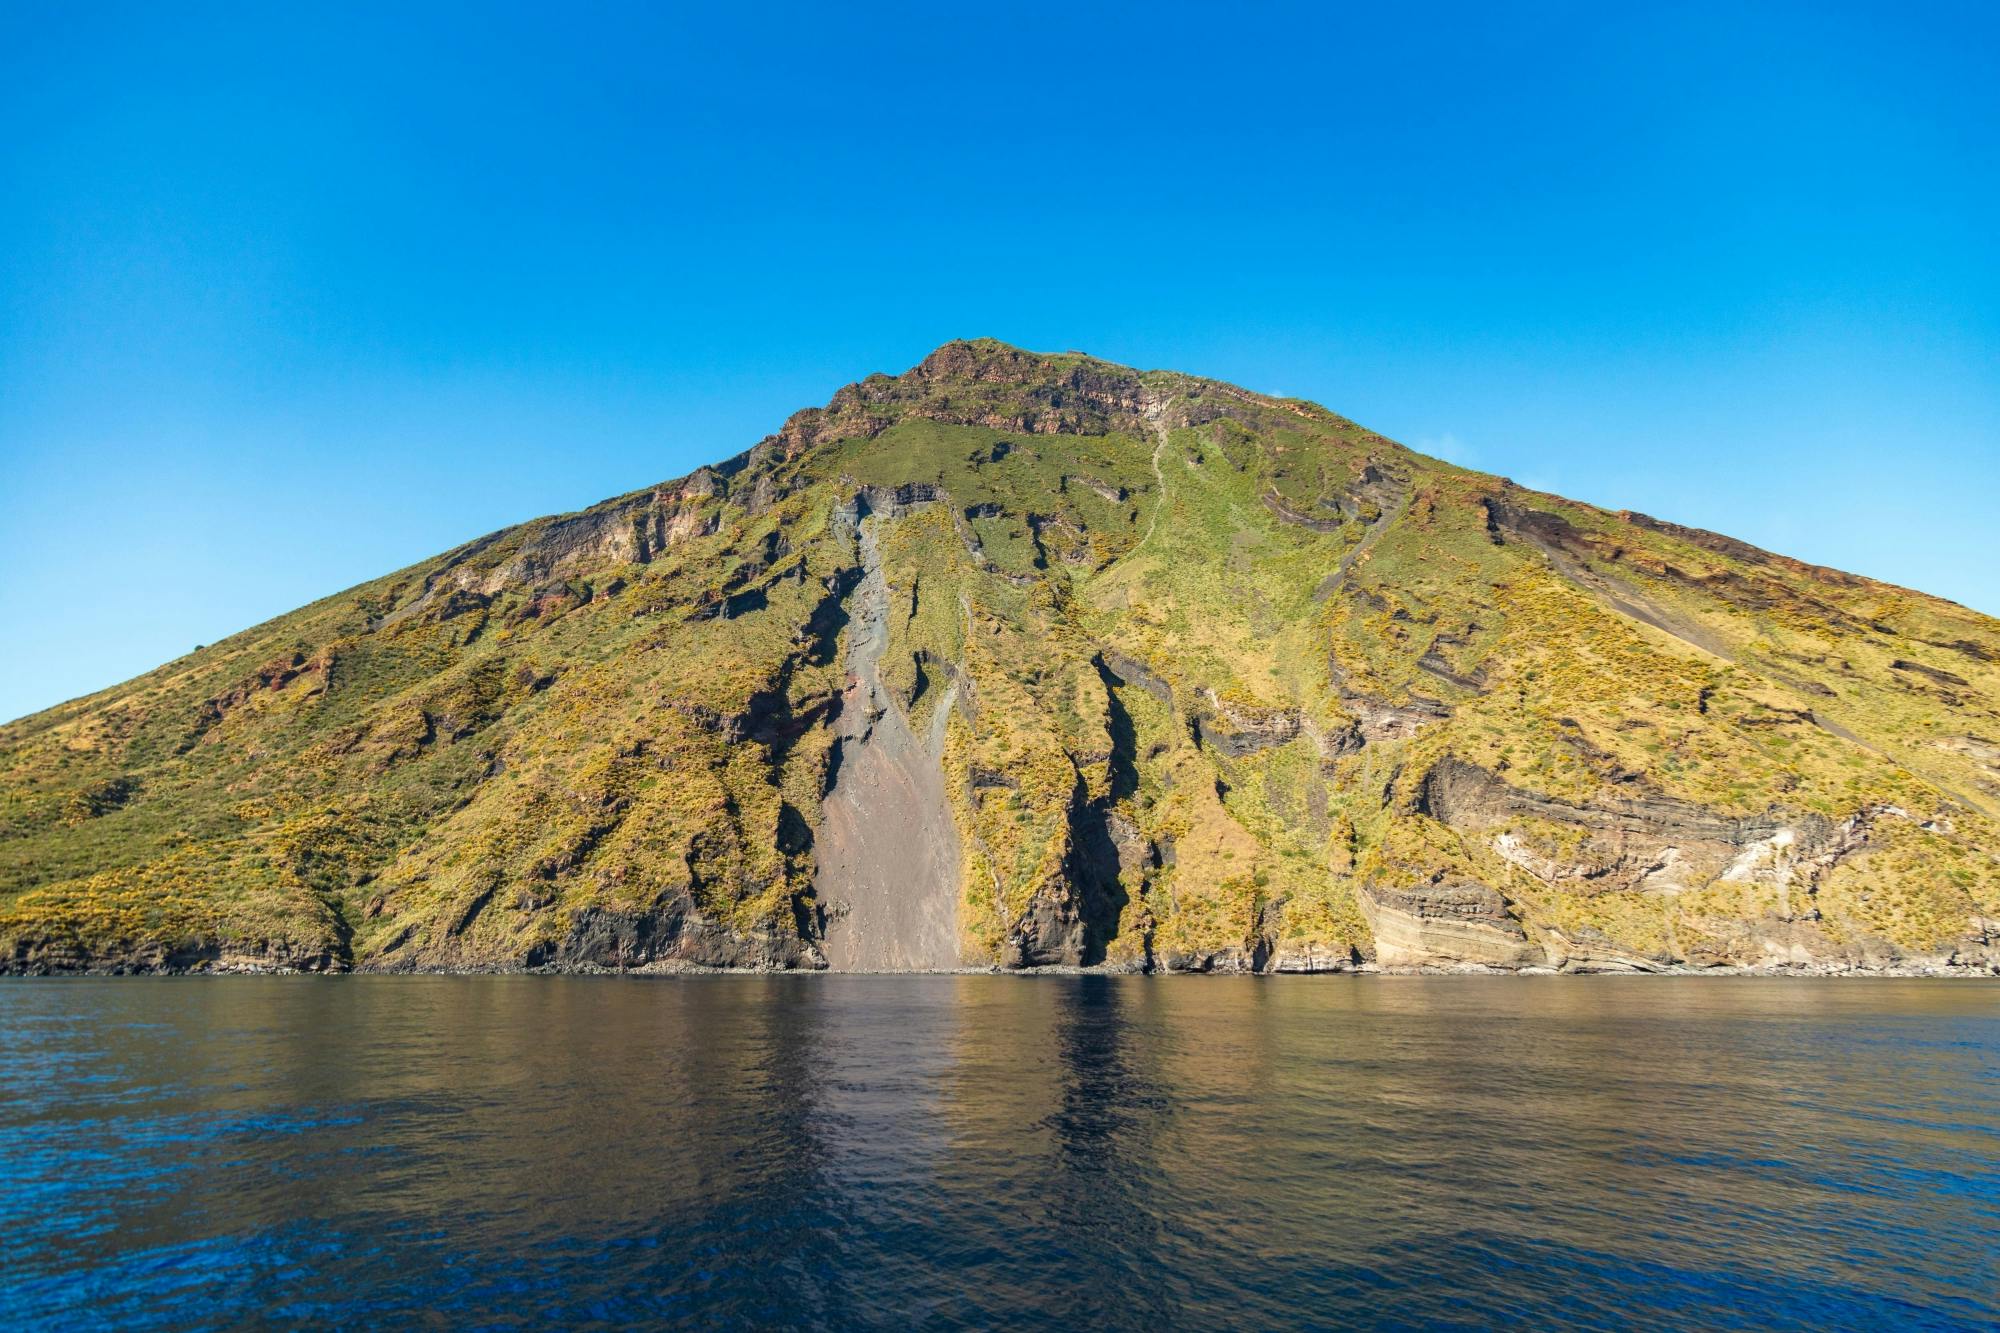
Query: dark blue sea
<point>952,1152</point>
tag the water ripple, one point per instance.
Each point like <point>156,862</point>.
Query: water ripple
<point>967,1151</point>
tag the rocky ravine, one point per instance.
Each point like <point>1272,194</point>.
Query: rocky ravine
<point>888,855</point>
<point>1024,661</point>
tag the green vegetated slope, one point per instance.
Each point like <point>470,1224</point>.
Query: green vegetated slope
<point>1214,680</point>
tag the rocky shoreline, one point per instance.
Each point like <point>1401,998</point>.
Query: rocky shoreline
<point>1929,968</point>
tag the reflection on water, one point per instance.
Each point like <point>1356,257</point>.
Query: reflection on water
<point>950,1151</point>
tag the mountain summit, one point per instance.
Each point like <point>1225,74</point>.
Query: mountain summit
<point>1026,660</point>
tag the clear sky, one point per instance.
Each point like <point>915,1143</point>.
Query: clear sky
<point>291,296</point>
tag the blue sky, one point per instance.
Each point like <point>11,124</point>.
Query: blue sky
<point>290,299</point>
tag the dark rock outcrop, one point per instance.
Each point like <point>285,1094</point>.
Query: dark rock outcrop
<point>671,932</point>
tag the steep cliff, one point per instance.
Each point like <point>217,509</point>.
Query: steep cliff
<point>1024,660</point>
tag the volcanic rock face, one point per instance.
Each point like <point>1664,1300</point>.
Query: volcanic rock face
<point>888,863</point>
<point>1445,923</point>
<point>1018,661</point>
